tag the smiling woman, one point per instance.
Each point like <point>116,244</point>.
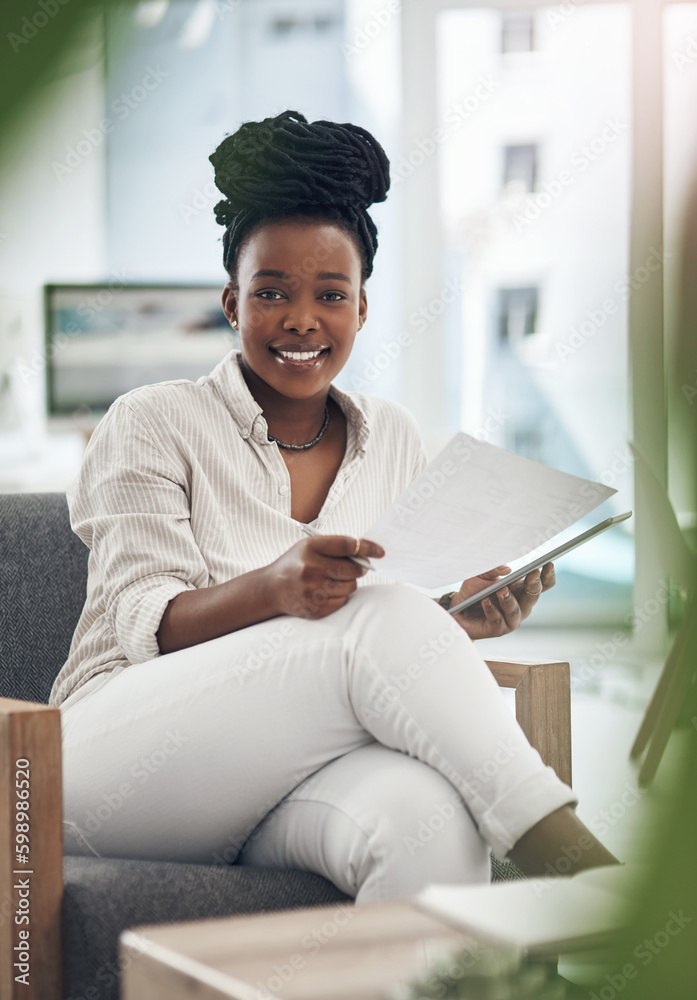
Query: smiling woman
<point>296,334</point>
<point>304,323</point>
<point>320,730</point>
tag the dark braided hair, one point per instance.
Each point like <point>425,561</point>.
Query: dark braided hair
<point>285,167</point>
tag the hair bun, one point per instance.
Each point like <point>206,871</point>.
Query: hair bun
<point>283,162</point>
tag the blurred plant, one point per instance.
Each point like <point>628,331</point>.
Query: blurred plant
<point>671,884</point>
<point>485,972</point>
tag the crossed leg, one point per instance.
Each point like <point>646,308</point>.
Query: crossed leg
<point>180,758</point>
<point>377,823</point>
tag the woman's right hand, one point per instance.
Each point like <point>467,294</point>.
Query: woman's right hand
<point>314,577</point>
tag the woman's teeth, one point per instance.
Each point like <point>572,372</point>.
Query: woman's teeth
<point>300,355</point>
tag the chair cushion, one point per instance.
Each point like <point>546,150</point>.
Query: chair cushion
<point>104,896</point>
<point>504,871</point>
<point>43,580</point>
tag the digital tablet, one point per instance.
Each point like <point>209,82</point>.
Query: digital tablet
<point>539,562</point>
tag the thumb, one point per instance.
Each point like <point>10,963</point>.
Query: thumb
<point>494,574</point>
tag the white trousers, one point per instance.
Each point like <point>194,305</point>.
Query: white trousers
<point>372,746</point>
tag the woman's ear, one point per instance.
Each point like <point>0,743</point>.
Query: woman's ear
<point>229,300</point>
<point>362,308</point>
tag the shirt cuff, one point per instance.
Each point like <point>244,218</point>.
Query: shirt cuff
<point>138,618</point>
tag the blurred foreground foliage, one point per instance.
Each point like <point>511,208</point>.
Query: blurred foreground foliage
<point>39,40</point>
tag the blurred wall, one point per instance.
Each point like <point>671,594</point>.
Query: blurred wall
<point>52,222</point>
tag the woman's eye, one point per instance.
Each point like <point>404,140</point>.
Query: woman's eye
<point>266,292</point>
<point>337,296</point>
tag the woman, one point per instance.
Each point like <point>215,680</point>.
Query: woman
<point>232,690</point>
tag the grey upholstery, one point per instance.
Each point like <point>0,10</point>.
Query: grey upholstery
<point>43,573</point>
<point>102,896</point>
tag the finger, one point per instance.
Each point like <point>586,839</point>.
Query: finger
<point>341,569</point>
<point>494,574</point>
<point>332,605</point>
<point>329,594</point>
<point>320,609</point>
<point>338,588</point>
<point>530,592</point>
<point>509,608</point>
<point>494,617</point>
<point>548,576</point>
<point>345,545</point>
<point>366,548</point>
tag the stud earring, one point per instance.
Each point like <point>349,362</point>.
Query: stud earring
<point>233,323</point>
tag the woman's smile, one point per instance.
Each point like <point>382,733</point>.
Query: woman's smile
<point>300,358</point>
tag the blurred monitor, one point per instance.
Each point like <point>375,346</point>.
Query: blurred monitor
<point>104,339</point>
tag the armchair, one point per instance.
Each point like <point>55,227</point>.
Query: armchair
<point>60,917</point>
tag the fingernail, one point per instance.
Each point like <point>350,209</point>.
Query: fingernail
<point>487,602</point>
<point>506,594</point>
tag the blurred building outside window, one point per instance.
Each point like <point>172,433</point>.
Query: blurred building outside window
<point>519,168</point>
<point>517,32</point>
<point>516,313</point>
<point>534,195</point>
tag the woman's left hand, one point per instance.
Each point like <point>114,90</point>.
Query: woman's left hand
<point>503,611</point>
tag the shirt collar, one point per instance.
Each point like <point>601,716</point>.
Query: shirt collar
<point>229,382</point>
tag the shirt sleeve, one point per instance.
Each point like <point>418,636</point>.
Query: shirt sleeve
<point>130,505</point>
<point>421,460</point>
<point>417,447</point>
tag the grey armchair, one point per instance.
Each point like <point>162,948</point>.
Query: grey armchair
<point>71,910</point>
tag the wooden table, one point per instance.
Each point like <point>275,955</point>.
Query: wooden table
<point>337,952</point>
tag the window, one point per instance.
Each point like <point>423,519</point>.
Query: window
<point>519,168</point>
<point>305,20</point>
<point>516,313</point>
<point>515,222</point>
<point>517,33</point>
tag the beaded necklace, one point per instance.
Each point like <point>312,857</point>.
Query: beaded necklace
<point>302,447</point>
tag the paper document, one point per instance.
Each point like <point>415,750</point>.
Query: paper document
<point>544,915</point>
<point>474,507</point>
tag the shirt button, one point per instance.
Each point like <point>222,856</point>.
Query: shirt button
<point>283,490</point>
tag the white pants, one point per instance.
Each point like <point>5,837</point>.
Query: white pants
<point>372,746</point>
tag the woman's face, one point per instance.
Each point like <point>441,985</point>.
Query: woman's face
<point>299,292</point>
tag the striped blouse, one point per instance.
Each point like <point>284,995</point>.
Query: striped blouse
<point>180,489</point>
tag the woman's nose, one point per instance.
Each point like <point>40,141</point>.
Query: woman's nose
<point>301,319</point>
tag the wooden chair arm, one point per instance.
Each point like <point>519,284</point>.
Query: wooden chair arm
<point>542,707</point>
<point>31,890</point>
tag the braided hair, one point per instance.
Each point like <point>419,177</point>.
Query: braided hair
<point>285,167</point>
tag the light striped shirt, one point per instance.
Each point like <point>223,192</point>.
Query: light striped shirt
<point>180,489</point>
